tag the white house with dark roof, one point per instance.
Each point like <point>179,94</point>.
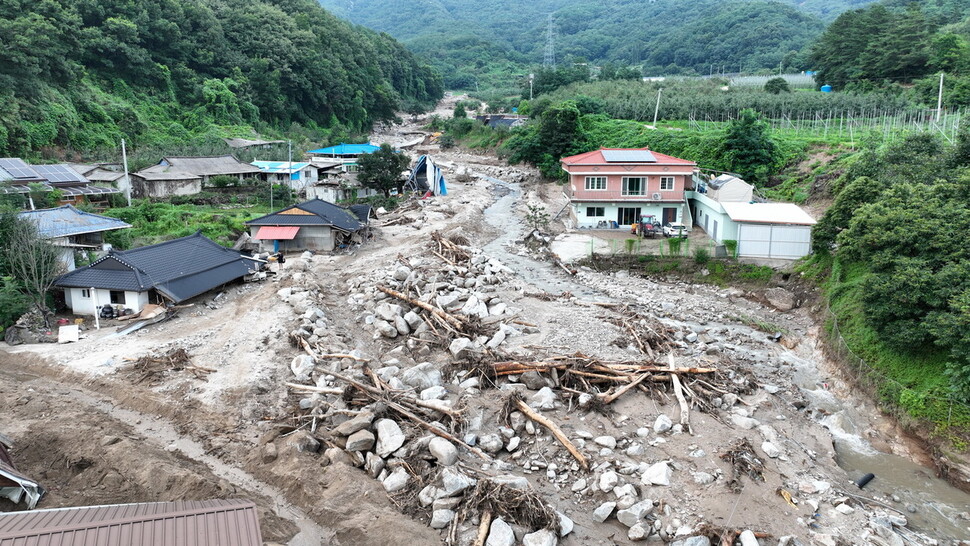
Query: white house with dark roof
<point>73,230</point>
<point>173,271</point>
<point>312,225</point>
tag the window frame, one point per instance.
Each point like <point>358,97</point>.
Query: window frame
<point>123,297</point>
<point>671,179</point>
<point>601,210</point>
<point>589,179</point>
<point>624,190</point>
<point>86,293</point>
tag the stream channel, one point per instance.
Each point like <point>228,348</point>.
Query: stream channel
<point>938,504</point>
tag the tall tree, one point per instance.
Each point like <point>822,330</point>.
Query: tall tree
<point>748,147</point>
<point>382,169</point>
<point>33,262</point>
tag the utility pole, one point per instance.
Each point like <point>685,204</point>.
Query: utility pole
<point>939,100</point>
<point>124,162</point>
<point>657,109</point>
<point>289,166</point>
<point>532,78</point>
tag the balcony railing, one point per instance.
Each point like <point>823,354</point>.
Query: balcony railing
<point>607,195</point>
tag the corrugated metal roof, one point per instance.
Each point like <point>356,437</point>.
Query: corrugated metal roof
<point>66,220</point>
<point>277,233</point>
<point>153,176</point>
<point>202,165</point>
<point>231,522</point>
<point>347,149</point>
<point>768,213</point>
<point>179,269</point>
<point>246,143</point>
<point>280,167</point>
<point>321,213</point>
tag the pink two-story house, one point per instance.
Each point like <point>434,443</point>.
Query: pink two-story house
<point>611,188</point>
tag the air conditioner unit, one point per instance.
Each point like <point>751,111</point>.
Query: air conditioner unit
<point>656,197</point>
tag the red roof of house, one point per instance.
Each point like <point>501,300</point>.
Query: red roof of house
<point>596,158</point>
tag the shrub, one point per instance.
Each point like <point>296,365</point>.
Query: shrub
<point>731,246</point>
<point>702,256</point>
<point>223,181</point>
<point>674,244</point>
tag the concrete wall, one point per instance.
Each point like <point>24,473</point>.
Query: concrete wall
<point>142,188</point>
<point>81,305</point>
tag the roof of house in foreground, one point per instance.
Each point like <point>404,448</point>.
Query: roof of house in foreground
<point>624,156</point>
<point>230,522</point>
<point>66,220</point>
<point>315,212</point>
<point>178,269</point>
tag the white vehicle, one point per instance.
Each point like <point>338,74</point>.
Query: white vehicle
<point>675,229</point>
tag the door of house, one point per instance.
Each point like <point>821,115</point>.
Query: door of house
<point>670,215</point>
<point>713,232</point>
<point>627,215</point>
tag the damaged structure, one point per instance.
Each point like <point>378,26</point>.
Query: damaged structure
<point>426,178</point>
<point>72,230</point>
<point>312,225</point>
<point>169,272</point>
<point>14,485</point>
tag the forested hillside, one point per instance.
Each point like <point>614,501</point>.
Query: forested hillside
<point>664,36</point>
<point>81,74</point>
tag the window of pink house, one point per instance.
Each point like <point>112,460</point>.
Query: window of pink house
<point>595,182</point>
<point>666,183</point>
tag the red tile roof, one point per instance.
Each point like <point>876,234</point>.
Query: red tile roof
<point>596,158</point>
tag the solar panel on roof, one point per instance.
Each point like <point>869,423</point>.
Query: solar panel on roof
<point>17,168</point>
<point>629,156</point>
<point>59,174</point>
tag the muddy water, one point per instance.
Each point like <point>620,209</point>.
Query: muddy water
<point>163,433</point>
<point>543,275</point>
<point>937,503</point>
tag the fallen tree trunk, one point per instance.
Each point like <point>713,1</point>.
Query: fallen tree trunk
<point>454,321</point>
<point>555,430</point>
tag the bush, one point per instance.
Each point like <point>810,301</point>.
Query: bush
<point>731,246</point>
<point>702,256</point>
<point>675,244</point>
<point>446,141</point>
<point>222,181</point>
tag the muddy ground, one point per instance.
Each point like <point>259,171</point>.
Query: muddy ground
<point>94,429</point>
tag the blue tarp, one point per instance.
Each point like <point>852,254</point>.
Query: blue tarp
<point>426,176</point>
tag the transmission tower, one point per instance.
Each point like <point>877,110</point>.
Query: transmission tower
<point>549,61</point>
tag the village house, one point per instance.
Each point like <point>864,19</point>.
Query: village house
<point>17,177</point>
<point>612,188</point>
<point>295,175</point>
<point>347,154</point>
<point>312,225</point>
<point>172,271</point>
<point>72,231</point>
<point>726,209</point>
<point>187,175</point>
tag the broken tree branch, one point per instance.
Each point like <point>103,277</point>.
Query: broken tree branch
<point>679,393</point>
<point>555,430</point>
<point>607,399</point>
<point>311,388</point>
<point>458,324</point>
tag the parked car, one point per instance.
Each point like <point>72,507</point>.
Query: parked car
<point>675,229</point>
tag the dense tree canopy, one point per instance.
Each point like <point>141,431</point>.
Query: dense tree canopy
<point>81,74</point>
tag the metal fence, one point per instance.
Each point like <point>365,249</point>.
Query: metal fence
<point>890,392</point>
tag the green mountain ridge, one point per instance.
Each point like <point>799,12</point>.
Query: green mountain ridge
<point>79,75</point>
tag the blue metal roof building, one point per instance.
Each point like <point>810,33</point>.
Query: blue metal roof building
<point>346,150</point>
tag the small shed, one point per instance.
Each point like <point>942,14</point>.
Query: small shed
<point>312,225</point>
<point>172,271</point>
<point>771,230</point>
<point>728,188</point>
<point>228,522</point>
<point>164,183</point>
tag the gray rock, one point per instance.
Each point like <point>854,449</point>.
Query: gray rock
<point>662,424</point>
<point>780,299</point>
<point>697,541</point>
<point>443,450</point>
<point>608,481</point>
<point>448,302</point>
<point>638,532</point>
<point>513,444</point>
<point>565,524</point>
<point>441,518</point>
<point>385,328</point>
<point>500,534</point>
<point>433,393</point>
<point>302,366</point>
<point>373,464</point>
<point>747,538</point>
<point>454,482</point>
<point>497,339</point>
<point>461,347</point>
<point>305,443</point>
<point>515,482</point>
<point>362,440</point>
<point>634,514</point>
<point>691,337</point>
<point>703,478</point>
<point>429,494</point>
<point>532,380</point>
<point>390,437</point>
<point>413,319</point>
<point>770,450</point>
<point>396,481</point>
<point>402,326</point>
<point>422,376</point>
<point>545,399</point>
<point>603,511</point>
<point>491,443</point>
<point>389,311</point>
<point>743,422</point>
<point>540,538</point>
<point>606,441</point>
<point>657,474</point>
